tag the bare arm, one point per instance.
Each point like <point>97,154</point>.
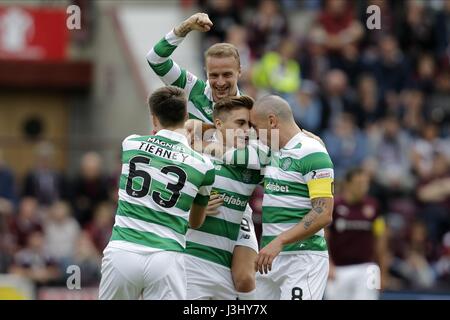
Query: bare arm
<point>197,216</point>
<point>382,255</point>
<point>320,216</point>
<point>159,57</point>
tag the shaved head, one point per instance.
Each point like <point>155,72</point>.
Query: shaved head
<point>275,105</point>
<point>271,116</point>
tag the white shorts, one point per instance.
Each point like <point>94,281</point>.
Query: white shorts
<point>153,276</point>
<point>300,276</point>
<point>207,281</point>
<point>355,282</point>
<point>247,235</point>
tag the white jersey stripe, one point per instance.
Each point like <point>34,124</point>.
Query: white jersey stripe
<point>210,240</point>
<point>271,200</point>
<point>139,225</point>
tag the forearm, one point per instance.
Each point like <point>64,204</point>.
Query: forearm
<point>381,251</point>
<point>197,216</point>
<point>183,29</point>
<point>319,217</point>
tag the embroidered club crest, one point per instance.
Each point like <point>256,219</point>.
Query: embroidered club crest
<point>285,163</point>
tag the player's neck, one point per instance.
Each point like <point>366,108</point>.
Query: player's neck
<point>287,132</point>
<point>350,198</point>
<point>178,129</point>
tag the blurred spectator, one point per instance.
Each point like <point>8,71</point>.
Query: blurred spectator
<point>88,259</point>
<point>346,144</point>
<point>313,58</point>
<point>391,67</point>
<point>61,232</point>
<point>43,181</point>
<point>416,32</point>
<point>341,30</point>
<point>90,187</point>
<point>267,28</point>
<point>26,221</point>
<point>442,266</point>
<point>306,106</point>
<point>390,150</point>
<point>237,35</point>
<point>7,244</point>
<point>414,269</point>
<point>34,263</point>
<point>223,14</point>
<point>334,99</point>
<point>387,20</point>
<point>411,110</point>
<point>357,223</point>
<point>426,148</point>
<point>100,228</point>
<point>7,183</point>
<point>369,108</point>
<point>433,193</point>
<point>439,103</point>
<point>425,74</point>
<point>442,34</point>
<point>277,71</point>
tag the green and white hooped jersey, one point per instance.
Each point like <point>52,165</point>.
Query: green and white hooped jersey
<point>286,192</point>
<point>160,180</point>
<point>200,100</point>
<point>214,241</point>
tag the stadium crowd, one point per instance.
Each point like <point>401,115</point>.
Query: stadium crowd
<point>380,99</point>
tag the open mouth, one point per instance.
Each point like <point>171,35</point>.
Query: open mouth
<point>222,92</point>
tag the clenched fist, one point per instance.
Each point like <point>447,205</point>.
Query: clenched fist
<point>199,21</point>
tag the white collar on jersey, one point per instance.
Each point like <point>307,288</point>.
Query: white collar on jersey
<point>294,140</point>
<point>172,135</point>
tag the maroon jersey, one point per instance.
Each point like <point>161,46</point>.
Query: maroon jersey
<point>351,236</point>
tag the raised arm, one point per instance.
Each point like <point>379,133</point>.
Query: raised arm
<point>159,56</point>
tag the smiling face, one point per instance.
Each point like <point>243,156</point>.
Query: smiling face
<point>223,74</point>
<point>235,124</point>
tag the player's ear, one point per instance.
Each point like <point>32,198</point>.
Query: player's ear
<point>155,122</point>
<point>218,123</point>
<point>273,121</point>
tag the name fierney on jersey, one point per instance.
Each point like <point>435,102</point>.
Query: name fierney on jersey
<point>162,152</point>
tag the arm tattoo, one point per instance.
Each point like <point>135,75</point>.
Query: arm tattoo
<point>182,30</point>
<point>318,206</point>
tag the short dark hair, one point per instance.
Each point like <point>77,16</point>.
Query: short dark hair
<point>169,105</point>
<point>228,104</point>
<point>353,172</point>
